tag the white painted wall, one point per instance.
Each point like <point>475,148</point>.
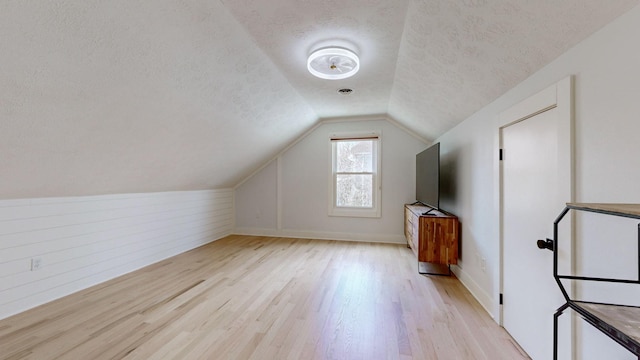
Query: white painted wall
<point>607,89</point>
<point>83,241</point>
<point>257,200</point>
<point>302,202</point>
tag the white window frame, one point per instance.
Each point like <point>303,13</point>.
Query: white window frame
<point>376,210</point>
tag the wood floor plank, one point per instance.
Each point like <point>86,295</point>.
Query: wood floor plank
<point>247,297</point>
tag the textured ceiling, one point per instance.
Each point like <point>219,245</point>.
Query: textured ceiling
<point>427,63</point>
<point>458,56</point>
<point>131,96</point>
<point>135,96</point>
<point>289,30</point>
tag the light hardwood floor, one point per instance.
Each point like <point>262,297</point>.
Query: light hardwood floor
<point>245,297</point>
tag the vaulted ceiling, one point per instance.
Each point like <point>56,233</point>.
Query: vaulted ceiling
<point>134,96</point>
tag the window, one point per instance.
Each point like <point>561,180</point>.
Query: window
<point>355,175</point>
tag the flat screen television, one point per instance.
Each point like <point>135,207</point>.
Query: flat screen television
<point>428,177</point>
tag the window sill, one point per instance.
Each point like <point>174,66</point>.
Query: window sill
<point>355,212</point>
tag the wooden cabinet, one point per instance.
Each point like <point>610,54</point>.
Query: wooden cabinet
<point>432,236</point>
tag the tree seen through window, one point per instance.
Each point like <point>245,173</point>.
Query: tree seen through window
<point>354,173</point>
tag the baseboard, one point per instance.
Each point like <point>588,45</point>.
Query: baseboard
<point>323,235</point>
<point>478,293</point>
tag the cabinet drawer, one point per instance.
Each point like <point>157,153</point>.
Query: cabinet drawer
<point>408,221</point>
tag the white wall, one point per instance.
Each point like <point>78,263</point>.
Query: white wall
<point>607,90</point>
<point>83,241</point>
<point>258,200</point>
<point>301,174</point>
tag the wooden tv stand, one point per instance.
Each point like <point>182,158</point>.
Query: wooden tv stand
<point>433,237</point>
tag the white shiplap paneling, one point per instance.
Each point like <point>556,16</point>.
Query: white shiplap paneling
<point>86,240</point>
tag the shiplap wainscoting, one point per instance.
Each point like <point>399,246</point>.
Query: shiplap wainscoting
<point>82,241</point>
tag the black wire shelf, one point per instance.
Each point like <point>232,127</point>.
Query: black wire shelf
<point>620,322</point>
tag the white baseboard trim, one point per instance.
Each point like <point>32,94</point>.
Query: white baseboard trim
<point>323,235</point>
<point>483,298</point>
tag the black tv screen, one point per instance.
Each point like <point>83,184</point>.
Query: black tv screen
<point>428,176</point>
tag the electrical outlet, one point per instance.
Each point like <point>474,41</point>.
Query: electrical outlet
<point>36,264</point>
<point>483,264</point>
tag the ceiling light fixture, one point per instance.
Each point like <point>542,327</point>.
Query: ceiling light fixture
<point>333,63</point>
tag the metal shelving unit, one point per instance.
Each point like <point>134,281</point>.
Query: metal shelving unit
<point>620,322</point>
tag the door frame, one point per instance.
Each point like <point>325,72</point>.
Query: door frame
<point>560,97</point>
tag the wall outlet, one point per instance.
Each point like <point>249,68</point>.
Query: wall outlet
<point>483,265</point>
<point>36,263</point>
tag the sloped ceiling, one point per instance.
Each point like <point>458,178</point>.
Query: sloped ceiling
<point>134,96</point>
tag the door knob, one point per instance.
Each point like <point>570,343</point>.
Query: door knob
<point>545,244</point>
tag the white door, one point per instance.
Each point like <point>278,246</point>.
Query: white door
<point>530,204</point>
<point>535,182</point>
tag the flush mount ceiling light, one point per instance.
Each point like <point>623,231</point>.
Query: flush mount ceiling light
<point>333,63</point>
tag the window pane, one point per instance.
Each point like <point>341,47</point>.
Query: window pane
<point>354,156</point>
<point>354,190</point>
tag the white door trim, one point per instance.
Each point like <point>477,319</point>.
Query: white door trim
<point>560,97</point>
